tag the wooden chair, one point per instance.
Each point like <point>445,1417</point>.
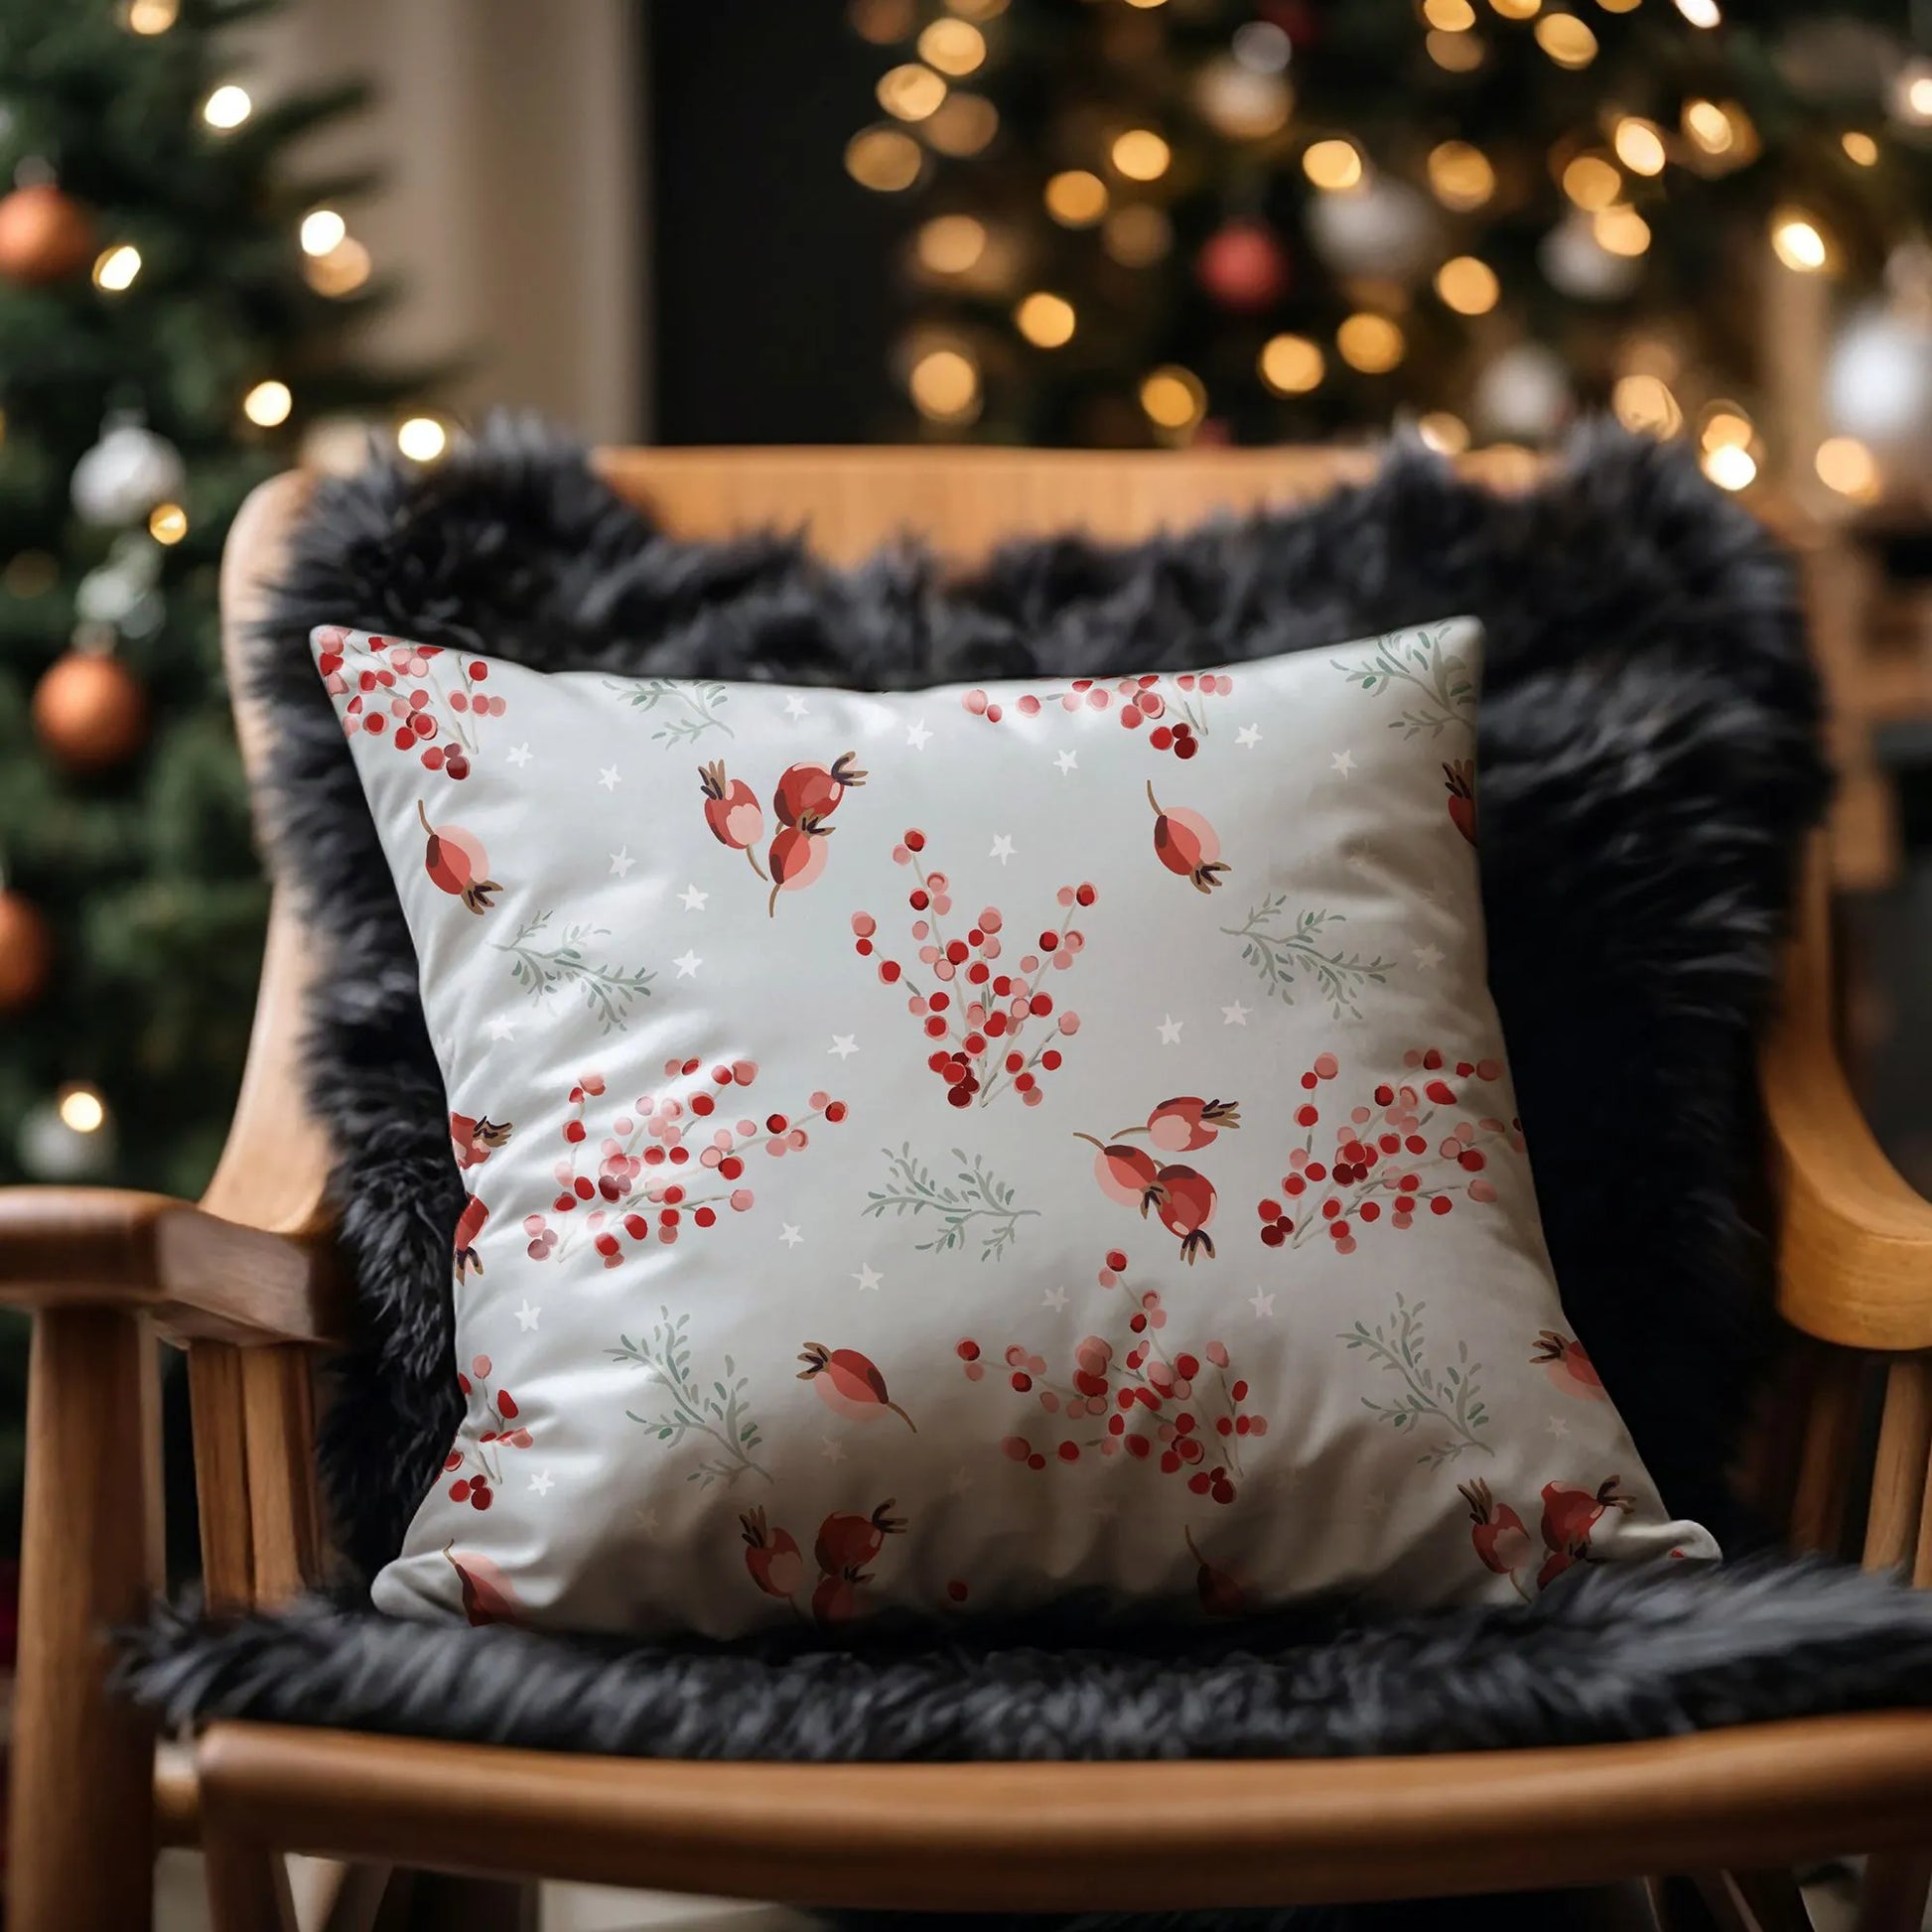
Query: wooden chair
<point>243,1281</point>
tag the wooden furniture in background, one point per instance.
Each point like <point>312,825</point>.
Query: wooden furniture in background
<point>244,1282</point>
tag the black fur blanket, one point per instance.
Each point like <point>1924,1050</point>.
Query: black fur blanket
<point>1650,759</point>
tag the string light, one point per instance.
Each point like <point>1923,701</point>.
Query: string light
<point>1467,286</point>
<point>1173,398</point>
<point>167,524</point>
<point>422,439</point>
<point>1730,465</point>
<point>1333,164</point>
<point>945,387</point>
<point>1291,366</point>
<point>1147,5</point>
<point>1911,95</point>
<point>1452,16</point>
<point>1708,126</point>
<point>150,16</point>
<point>268,404</point>
<point>1860,147</point>
<point>1846,466</point>
<point>1517,9</point>
<point>115,268</point>
<point>1592,182</point>
<point>1621,231</point>
<point>883,158</point>
<point>1460,176</point>
<point>1644,403</point>
<point>950,244</point>
<point>1141,155</point>
<point>1446,434</point>
<point>1567,39</point>
<point>1798,242</point>
<point>1076,199</point>
<point>228,107</point>
<point>1371,344</point>
<point>1046,320</point>
<point>964,124</point>
<point>954,46</point>
<point>910,92</point>
<point>1724,425</point>
<point>1454,53</point>
<point>1700,13</point>
<point>342,272</point>
<point>1137,236</point>
<point>322,230</point>
<point>82,1109</point>
<point>1619,6</point>
<point>1639,146</point>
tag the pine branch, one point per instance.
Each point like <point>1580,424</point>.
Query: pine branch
<point>976,1195</point>
<point>700,701</point>
<point>610,992</point>
<point>1452,1399</point>
<point>1279,959</point>
<point>717,1411</point>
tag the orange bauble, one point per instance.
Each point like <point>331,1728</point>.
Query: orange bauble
<point>44,236</point>
<point>90,711</point>
<point>26,952</point>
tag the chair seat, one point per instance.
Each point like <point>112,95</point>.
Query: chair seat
<point>1098,1837</point>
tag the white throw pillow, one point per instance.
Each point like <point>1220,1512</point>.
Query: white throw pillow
<point>944,1151</point>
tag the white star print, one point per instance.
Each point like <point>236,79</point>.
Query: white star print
<point>1248,737</point>
<point>797,707</point>
<point>693,898</point>
<point>687,964</point>
<point>502,1026</point>
<point>1002,847</point>
<point>1236,1015</point>
<point>917,736</point>
<point>1557,1427</point>
<point>1263,1305</point>
<point>622,862</point>
<point>519,754</point>
<point>1055,1299</point>
<point>1169,1029</point>
<point>789,1235</point>
<point>961,1482</point>
<point>833,1449</point>
<point>1343,762</point>
<point>609,777</point>
<point>844,1045</point>
<point>526,1316</point>
<point>541,1485</point>
<point>868,1276</point>
<point>1067,761</point>
<point>1429,957</point>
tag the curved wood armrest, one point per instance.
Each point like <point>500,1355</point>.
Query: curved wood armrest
<point>200,1278</point>
<point>1856,1254</point>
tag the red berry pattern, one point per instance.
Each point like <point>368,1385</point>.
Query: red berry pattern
<point>1180,1196</point>
<point>1175,709</point>
<point>428,701</point>
<point>847,1545</point>
<point>490,1426</point>
<point>802,803</point>
<point>972,1009</point>
<point>1570,1515</point>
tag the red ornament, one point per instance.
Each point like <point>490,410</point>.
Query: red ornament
<point>26,952</point>
<point>90,711</point>
<point>44,236</point>
<point>1243,267</point>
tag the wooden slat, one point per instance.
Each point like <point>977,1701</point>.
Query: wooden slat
<point>1818,1510</point>
<point>279,1406</point>
<point>1898,1473</point>
<point>216,1399</point>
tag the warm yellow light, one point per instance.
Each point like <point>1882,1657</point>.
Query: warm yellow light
<point>881,21</point>
<point>342,272</point>
<point>909,93</point>
<point>1917,98</point>
<point>1461,174</point>
<point>1730,465</point>
<point>1046,320</point>
<point>964,124</point>
<point>1708,126</point>
<point>167,524</point>
<point>1467,286</point>
<point>1454,53</point>
<point>422,439</point>
<point>1332,164</point>
<point>1703,12</point>
<point>1517,9</point>
<point>1621,231</point>
<point>267,404</point>
<point>115,268</point>
<point>1173,398</point>
<point>322,230</point>
<point>883,158</point>
<point>977,9</point>
<point>150,16</point>
<point>1639,146</point>
<point>1141,155</point>
<point>954,46</point>
<point>228,107</point>
<point>1076,199</point>
<point>1291,366</point>
<point>1592,182</point>
<point>1797,242</point>
<point>1645,404</point>
<point>1845,465</point>
<point>82,1109</point>
<point>1725,428</point>
<point>1452,16</point>
<point>1446,434</point>
<point>1137,236</point>
<point>1619,6</point>
<point>950,244</point>
<point>1147,4</point>
<point>945,387</point>
<point>1567,39</point>
<point>1370,343</point>
<point>1861,148</point>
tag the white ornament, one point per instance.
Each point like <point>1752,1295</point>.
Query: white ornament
<point>1383,227</point>
<point>49,1148</point>
<point>1575,263</point>
<point>1878,386</point>
<point>126,474</point>
<point>1245,104</point>
<point>1523,394</point>
<point>111,592</point>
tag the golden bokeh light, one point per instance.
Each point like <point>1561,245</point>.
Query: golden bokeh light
<point>1644,403</point>
<point>1445,434</point>
<point>167,524</point>
<point>1452,16</point>
<point>1730,465</point>
<point>1137,236</point>
<point>1725,426</point>
<point>342,272</point>
<point>1371,344</point>
<point>1639,145</point>
<point>1703,12</point>
<point>1173,398</point>
<point>1592,182</point>
<point>422,439</point>
<point>268,404</point>
<point>1467,286</point>
<point>1454,53</point>
<point>115,268</point>
<point>1076,199</point>
<point>910,92</point>
<point>1846,466</point>
<point>883,158</point>
<point>150,16</point>
<point>1860,147</point>
<point>964,124</point>
<point>950,244</point>
<point>82,1109</point>
<point>1567,39</point>
<point>1046,320</point>
<point>1708,126</point>
<point>1333,164</point>
<point>945,387</point>
<point>882,22</point>
<point>1460,176</point>
<point>1517,9</point>
<point>322,230</point>
<point>228,107</point>
<point>1291,366</point>
<point>1620,229</point>
<point>1798,241</point>
<point>1141,155</point>
<point>955,47</point>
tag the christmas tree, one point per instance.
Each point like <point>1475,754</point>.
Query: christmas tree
<point>176,297</point>
<point>1138,221</point>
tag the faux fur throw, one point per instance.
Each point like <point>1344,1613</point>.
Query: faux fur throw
<point>1650,759</point>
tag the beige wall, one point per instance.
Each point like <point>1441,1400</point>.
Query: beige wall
<point>509,134</point>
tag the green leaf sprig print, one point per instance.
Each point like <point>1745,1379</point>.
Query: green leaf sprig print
<point>685,709</point>
<point>609,991</point>
<point>1451,1400</point>
<point>1282,947</point>
<point>975,1204</point>
<point>692,1408</point>
<point>1436,688</point>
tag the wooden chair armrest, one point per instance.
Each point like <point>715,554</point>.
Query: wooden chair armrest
<point>1856,1245</point>
<point>200,1277</point>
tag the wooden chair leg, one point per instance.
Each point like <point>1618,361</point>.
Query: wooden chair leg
<point>1891,1537</point>
<point>1825,1462</point>
<point>1754,1901</point>
<point>82,1774</point>
<point>1896,1887</point>
<point>247,1883</point>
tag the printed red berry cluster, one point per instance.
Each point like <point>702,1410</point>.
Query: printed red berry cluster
<point>500,1430</point>
<point>381,702</point>
<point>659,1158</point>
<point>1141,703</point>
<point>845,1543</point>
<point>976,1013</point>
<point>1396,1156</point>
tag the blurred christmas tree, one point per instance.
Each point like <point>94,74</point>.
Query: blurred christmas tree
<point>175,305</point>
<point>1256,220</point>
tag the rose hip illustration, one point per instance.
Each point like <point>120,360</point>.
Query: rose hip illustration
<point>1180,1196</point>
<point>772,1557</point>
<point>847,1543</point>
<point>1186,1206</point>
<point>809,794</point>
<point>731,809</point>
<point>1187,844</point>
<point>1501,1541</point>
<point>1460,777</point>
<point>797,857</point>
<point>486,1594</point>
<point>848,1384</point>
<point>1569,1516</point>
<point>1127,1174</point>
<point>1182,1125</point>
<point>474,1141</point>
<point>1569,1366</point>
<point>455,862</point>
<point>469,1225</point>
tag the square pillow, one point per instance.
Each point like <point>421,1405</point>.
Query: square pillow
<point>938,1151</point>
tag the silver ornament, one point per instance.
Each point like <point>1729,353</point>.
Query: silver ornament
<point>1523,394</point>
<point>126,474</point>
<point>1384,227</point>
<point>1575,263</point>
<point>50,1148</point>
